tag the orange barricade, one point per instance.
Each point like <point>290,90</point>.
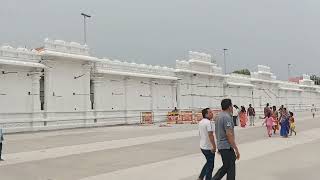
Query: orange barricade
<point>172,117</point>
<point>185,117</point>
<point>215,112</point>
<point>197,117</point>
<point>146,118</point>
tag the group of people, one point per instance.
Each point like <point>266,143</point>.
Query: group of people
<point>219,136</point>
<point>274,119</point>
<point>242,115</point>
<point>225,144</point>
<point>281,119</point>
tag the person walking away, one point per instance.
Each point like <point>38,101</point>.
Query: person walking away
<point>266,110</point>
<point>292,124</point>
<point>251,114</point>
<point>284,131</point>
<point>224,129</point>
<point>235,114</point>
<point>207,143</point>
<point>243,117</point>
<point>1,140</point>
<point>313,111</point>
<point>275,116</point>
<point>269,123</point>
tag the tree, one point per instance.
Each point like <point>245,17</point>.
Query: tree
<point>242,71</point>
<point>316,79</point>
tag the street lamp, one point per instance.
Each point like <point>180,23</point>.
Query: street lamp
<point>224,60</point>
<point>85,26</point>
<point>289,72</point>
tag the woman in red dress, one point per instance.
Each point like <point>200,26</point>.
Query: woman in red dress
<point>243,117</point>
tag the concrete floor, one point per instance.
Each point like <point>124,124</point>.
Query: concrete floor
<point>152,152</point>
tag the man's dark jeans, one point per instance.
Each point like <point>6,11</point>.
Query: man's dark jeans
<point>208,167</point>
<point>229,165</point>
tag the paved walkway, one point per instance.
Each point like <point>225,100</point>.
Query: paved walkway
<point>157,153</point>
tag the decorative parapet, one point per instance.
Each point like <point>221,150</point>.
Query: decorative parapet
<point>198,56</point>
<point>264,73</point>
<point>289,86</point>
<point>21,54</point>
<point>19,57</point>
<point>198,62</point>
<point>238,80</point>
<point>306,80</point>
<point>66,47</point>
<point>132,69</point>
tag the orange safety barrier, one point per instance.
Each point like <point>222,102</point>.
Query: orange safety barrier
<point>215,112</point>
<point>185,117</point>
<point>197,117</point>
<point>146,118</point>
<point>172,117</point>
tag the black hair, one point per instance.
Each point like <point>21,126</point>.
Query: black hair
<point>267,104</point>
<point>205,112</point>
<point>268,114</point>
<point>226,103</point>
<point>291,113</point>
<point>243,109</point>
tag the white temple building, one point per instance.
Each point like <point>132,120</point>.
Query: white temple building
<point>62,86</point>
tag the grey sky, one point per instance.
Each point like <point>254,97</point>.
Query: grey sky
<point>270,32</point>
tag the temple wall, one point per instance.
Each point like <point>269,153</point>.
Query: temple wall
<point>62,86</point>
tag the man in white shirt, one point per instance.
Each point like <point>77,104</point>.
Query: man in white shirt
<point>207,143</point>
<point>235,114</point>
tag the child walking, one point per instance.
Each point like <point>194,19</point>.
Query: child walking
<point>269,123</point>
<point>292,124</point>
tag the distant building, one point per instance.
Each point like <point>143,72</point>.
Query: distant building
<point>295,79</point>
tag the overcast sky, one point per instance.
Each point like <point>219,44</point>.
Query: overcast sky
<point>269,32</point>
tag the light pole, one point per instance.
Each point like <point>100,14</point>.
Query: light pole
<point>224,60</point>
<point>85,26</point>
<point>289,72</point>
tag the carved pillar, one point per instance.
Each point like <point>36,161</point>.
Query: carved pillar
<point>86,84</point>
<point>35,92</point>
<point>97,82</point>
<point>35,97</point>
<point>125,85</point>
<point>175,95</point>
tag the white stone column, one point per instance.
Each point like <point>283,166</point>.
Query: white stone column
<point>125,85</point>
<point>174,87</point>
<point>48,97</point>
<point>97,82</point>
<point>151,94</point>
<point>35,92</point>
<point>86,84</point>
<point>192,92</point>
<point>35,97</point>
<point>210,92</point>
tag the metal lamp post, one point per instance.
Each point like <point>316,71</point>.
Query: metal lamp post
<point>85,16</point>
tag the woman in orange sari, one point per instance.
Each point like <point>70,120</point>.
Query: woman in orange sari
<point>275,116</point>
<point>243,117</point>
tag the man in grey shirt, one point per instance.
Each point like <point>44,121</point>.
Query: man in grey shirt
<point>224,129</point>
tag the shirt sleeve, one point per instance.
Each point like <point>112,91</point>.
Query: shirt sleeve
<point>227,123</point>
<point>210,127</point>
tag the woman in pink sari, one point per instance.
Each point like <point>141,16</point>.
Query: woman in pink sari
<point>243,117</point>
